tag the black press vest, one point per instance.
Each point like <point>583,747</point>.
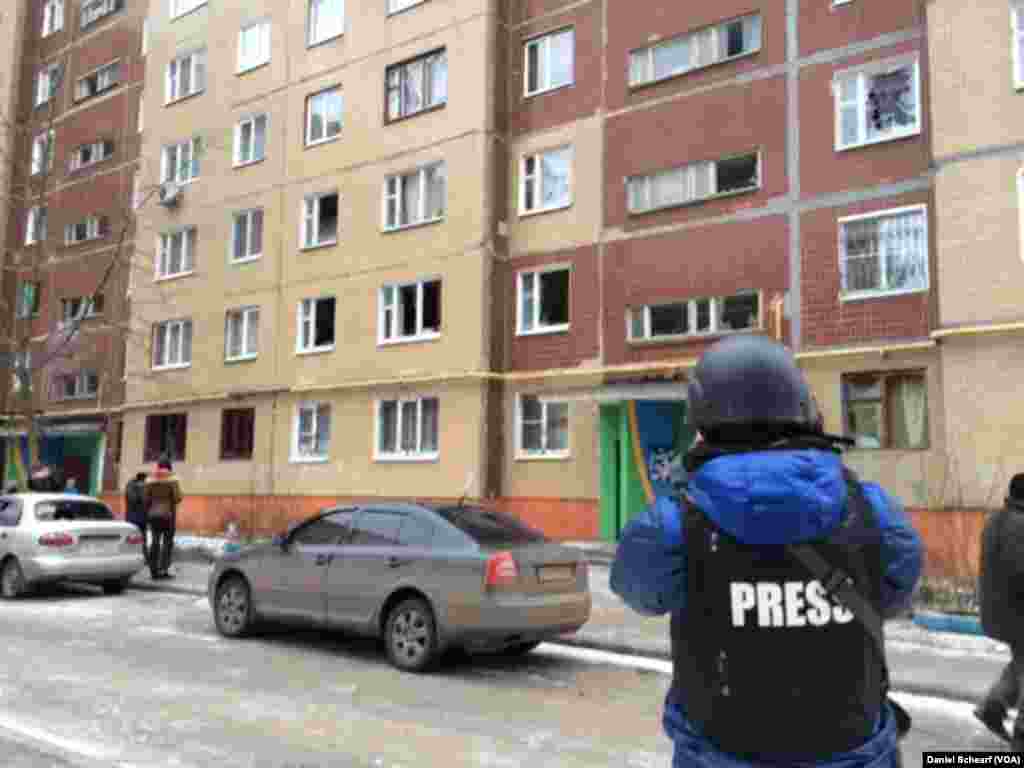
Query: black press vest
<point>763,662</point>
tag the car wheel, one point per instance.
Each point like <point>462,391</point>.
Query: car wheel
<point>233,607</point>
<point>12,580</point>
<point>410,636</point>
<point>114,587</point>
<point>520,649</point>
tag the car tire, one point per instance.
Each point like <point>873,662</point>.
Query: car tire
<point>410,636</point>
<point>114,587</point>
<point>12,580</point>
<point>521,649</point>
<point>232,607</point>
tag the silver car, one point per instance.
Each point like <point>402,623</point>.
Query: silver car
<point>425,578</point>
<point>50,537</point>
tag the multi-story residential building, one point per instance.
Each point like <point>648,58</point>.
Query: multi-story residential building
<point>70,232</point>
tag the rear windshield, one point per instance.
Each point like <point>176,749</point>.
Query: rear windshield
<point>490,529</point>
<point>72,510</point>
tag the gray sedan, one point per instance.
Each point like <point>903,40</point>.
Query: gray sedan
<point>49,537</point>
<point>425,578</point>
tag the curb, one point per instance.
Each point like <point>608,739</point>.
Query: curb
<point>146,586</point>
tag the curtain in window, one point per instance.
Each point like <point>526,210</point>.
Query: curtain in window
<point>908,405</point>
<point>323,429</point>
<point>905,251</point>
<point>554,168</point>
<point>388,426</point>
<point>412,87</point>
<point>410,199</point>
<point>435,191</point>
<point>428,432</point>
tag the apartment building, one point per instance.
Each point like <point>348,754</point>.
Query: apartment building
<point>69,232</point>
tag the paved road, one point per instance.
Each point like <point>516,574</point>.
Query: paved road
<point>143,680</point>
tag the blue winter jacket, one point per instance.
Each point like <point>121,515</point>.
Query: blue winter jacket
<point>772,498</point>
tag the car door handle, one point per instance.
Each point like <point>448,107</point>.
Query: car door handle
<point>324,559</point>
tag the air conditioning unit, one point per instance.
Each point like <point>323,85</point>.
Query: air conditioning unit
<point>169,195</point>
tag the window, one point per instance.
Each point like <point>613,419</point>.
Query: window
<point>22,376</point>
<point>489,528</point>
<point>884,252</point>
<point>545,182</point>
<point>186,76</point>
<point>326,20</point>
<point>312,432</point>
<point>48,511</point>
<point>253,46</point>
<point>417,197</point>
<point>247,240</point>
<point>28,299</point>
<point>331,530</point>
<point>47,83</point>
<point>250,140</point>
<point>316,325</point>
<point>543,427</point>
<point>35,226</point>
<point>165,434</point>
<point>80,307</point>
<point>181,7</point>
<point>395,6</point>
<point>53,17</point>
<point>549,62</point>
<point>417,85</point>
<point>73,386</point>
<point>887,410</point>
<point>103,79</point>
<point>695,50</point>
<point>720,314</point>
<point>407,429</point>
<point>237,432</point>
<point>320,220</point>
<point>323,116</point>
<point>94,10</point>
<point>693,183</point>
<point>90,228</point>
<point>172,344</point>
<point>410,312</point>
<point>180,162</point>
<point>176,253</point>
<point>544,300</point>
<point>10,513</point>
<point>376,528</point>
<point>879,102</point>
<point>241,333</point>
<point>42,152</point>
<point>415,532</point>
<point>1017,11</point>
<point>90,154</point>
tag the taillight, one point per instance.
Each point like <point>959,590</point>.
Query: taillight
<point>501,569</point>
<point>56,540</point>
<point>135,538</point>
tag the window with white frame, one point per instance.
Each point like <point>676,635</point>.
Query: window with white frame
<point>253,45</point>
<point>53,17</point>
<point>76,386</point>
<point>320,219</point>
<point>47,83</point>
<point>100,81</point>
<point>89,228</point>
<point>94,10</point>
<point>394,6</point>
<point>312,436</point>
<point>543,428</point>
<point>241,333</point>
<point>250,140</point>
<point>176,253</point>
<point>247,235</point>
<point>549,62</point>
<point>181,7</point>
<point>410,311</point>
<point>22,370</point>
<point>1017,42</point>
<point>90,154</point>
<point>543,300</point>
<point>180,162</point>
<point>695,50</point>
<point>877,102</point>
<point>326,20</point>
<point>740,311</point>
<point>323,115</point>
<point>316,325</point>
<point>417,85</point>
<point>884,252</point>
<point>545,181</point>
<point>80,308</point>
<point>416,197</point>
<point>693,182</point>
<point>172,344</point>
<point>42,152</point>
<point>408,429</point>
<point>186,76</point>
<point>35,226</point>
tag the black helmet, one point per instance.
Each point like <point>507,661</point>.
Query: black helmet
<point>749,389</point>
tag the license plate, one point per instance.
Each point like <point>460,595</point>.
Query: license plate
<point>95,548</point>
<point>556,573</point>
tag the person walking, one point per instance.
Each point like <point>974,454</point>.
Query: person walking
<point>162,495</point>
<point>1000,583</point>
<point>135,508</point>
<point>777,566</point>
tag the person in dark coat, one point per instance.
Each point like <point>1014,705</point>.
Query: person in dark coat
<point>1001,589</point>
<point>162,494</point>
<point>135,507</point>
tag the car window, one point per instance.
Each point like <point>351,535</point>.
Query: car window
<point>64,509</point>
<point>332,529</point>
<point>10,513</point>
<point>415,532</point>
<point>376,528</point>
<point>490,529</point>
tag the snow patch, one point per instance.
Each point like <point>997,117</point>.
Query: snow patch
<point>916,703</point>
<point>41,735</point>
<point>592,656</point>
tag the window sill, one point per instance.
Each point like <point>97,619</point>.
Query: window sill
<point>548,331</point>
<point>314,351</point>
<point>636,87</point>
<point>185,183</point>
<point>251,68</point>
<point>186,97</point>
<point>98,20</point>
<point>699,201</point>
<point>246,259</point>
<point>96,95</point>
<point>868,295</point>
<point>548,456</point>
<point>247,163</point>
<point>175,276</point>
<point>544,91</point>
<point>317,43</point>
<point>417,113</point>
<point>87,166</point>
<point>308,459</point>
<point>403,9</point>
<point>75,398</point>
<point>398,458</point>
<point>318,246</point>
<point>320,142</point>
<point>236,458</point>
<point>183,14</point>
<point>175,367</point>
<point>880,140</point>
<point>539,211</point>
<point>416,225</point>
<point>241,359</point>
<point>690,338</point>
<point>421,339</point>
